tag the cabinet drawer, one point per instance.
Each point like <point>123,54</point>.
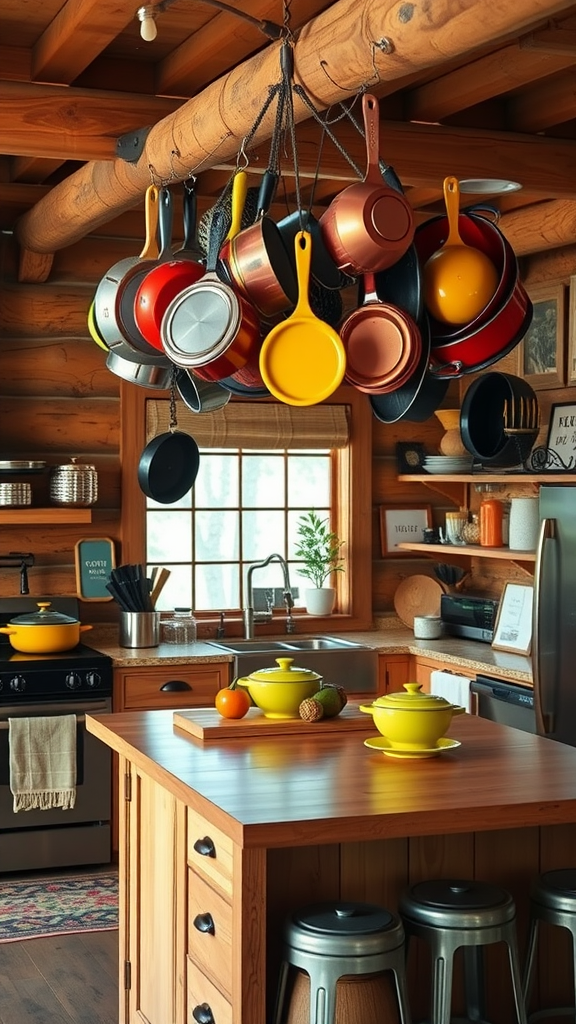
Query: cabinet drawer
<point>210,932</point>
<point>210,852</point>
<point>171,687</point>
<point>202,993</point>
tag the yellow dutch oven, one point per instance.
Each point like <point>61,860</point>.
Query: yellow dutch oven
<point>278,692</point>
<point>44,632</point>
<point>412,720</point>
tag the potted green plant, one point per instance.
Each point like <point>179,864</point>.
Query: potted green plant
<point>320,550</point>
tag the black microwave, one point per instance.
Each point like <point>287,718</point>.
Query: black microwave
<point>472,617</point>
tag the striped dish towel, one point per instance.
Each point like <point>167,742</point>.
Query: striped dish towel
<point>43,762</point>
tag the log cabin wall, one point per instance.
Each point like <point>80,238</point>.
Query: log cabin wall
<point>58,400</point>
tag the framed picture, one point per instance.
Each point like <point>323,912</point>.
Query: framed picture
<point>541,351</point>
<point>571,374</point>
<point>400,524</point>
<point>94,560</point>
<point>410,457</point>
<point>513,631</point>
<point>561,441</point>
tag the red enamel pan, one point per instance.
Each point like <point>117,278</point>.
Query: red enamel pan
<point>369,225</point>
<point>161,284</point>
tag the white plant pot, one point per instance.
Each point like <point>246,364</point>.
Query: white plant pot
<point>320,600</point>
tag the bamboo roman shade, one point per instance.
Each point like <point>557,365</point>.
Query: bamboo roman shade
<point>261,425</point>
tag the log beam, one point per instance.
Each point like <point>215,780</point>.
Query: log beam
<point>335,55</point>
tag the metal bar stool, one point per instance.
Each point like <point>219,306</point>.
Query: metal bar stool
<point>552,899</point>
<point>332,940</point>
<point>448,914</point>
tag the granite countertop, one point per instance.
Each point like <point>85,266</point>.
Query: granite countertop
<point>389,636</point>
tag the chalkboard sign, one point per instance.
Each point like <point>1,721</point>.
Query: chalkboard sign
<point>94,563</point>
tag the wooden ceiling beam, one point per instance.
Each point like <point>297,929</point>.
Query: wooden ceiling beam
<point>547,104</point>
<point>540,227</point>
<point>335,54</point>
<point>81,30</point>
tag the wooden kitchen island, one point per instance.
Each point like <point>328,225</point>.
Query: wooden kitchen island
<point>244,830</point>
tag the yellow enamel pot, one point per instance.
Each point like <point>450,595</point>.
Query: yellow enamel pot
<point>44,631</point>
<point>412,720</point>
<point>278,692</point>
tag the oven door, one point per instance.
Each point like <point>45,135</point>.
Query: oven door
<point>94,769</point>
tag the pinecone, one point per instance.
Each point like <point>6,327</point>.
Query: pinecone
<point>311,710</point>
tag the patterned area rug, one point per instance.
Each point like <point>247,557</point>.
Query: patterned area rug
<point>56,906</point>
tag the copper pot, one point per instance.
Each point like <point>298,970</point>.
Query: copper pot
<point>369,225</point>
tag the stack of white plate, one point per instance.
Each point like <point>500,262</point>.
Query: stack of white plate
<point>448,464</point>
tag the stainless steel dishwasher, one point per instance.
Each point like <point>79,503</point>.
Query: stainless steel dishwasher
<point>507,703</point>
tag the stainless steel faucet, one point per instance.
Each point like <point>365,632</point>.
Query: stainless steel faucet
<point>249,615</point>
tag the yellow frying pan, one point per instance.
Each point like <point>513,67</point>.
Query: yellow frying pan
<point>302,359</point>
<point>93,329</point>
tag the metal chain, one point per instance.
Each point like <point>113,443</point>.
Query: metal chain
<point>321,121</point>
<point>173,421</point>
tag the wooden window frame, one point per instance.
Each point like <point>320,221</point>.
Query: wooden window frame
<point>352,503</point>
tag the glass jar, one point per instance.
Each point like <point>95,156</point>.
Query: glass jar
<point>491,515</point>
<point>471,530</point>
<point>179,627</point>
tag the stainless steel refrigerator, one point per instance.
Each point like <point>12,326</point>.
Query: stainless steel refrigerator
<point>554,616</point>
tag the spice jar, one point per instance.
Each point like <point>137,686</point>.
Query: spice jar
<point>74,485</point>
<point>180,627</point>
<point>491,515</point>
<point>471,530</point>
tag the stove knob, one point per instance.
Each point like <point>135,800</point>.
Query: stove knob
<point>93,679</point>
<point>18,684</point>
<point>73,681</point>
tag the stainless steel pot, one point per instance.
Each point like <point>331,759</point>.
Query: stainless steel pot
<point>74,485</point>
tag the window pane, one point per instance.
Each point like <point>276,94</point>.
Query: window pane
<point>309,481</point>
<point>217,481</point>
<point>217,587</point>
<point>177,591</point>
<point>216,536</point>
<point>263,481</point>
<point>168,536</point>
<point>262,535</point>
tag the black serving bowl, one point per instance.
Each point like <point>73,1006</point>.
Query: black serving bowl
<point>482,419</point>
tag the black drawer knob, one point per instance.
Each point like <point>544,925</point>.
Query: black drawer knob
<point>205,847</point>
<point>175,686</point>
<point>203,1014</point>
<point>204,923</point>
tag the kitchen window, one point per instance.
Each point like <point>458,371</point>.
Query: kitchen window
<point>262,465</point>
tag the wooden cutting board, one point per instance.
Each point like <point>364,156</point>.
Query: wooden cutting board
<point>207,724</point>
<point>417,595</point>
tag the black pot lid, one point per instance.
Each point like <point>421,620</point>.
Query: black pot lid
<point>43,617</point>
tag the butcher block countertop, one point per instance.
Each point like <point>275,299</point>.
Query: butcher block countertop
<point>389,636</point>
<point>297,790</point>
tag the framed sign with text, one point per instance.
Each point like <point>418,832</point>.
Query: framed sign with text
<point>401,524</point>
<point>94,560</point>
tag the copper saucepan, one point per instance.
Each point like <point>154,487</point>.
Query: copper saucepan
<point>383,344</point>
<point>369,225</point>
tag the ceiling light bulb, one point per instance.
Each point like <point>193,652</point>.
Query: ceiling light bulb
<point>147,18</point>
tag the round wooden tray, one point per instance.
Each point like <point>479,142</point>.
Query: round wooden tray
<point>417,595</point>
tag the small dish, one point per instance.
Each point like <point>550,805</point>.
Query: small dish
<point>383,744</point>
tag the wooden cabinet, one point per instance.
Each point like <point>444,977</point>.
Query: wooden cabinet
<point>153,903</point>
<point>170,686</point>
<point>393,672</point>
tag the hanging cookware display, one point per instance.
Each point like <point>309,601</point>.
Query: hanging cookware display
<point>400,284</point>
<point>383,344</point>
<point>200,395</point>
<point>168,277</point>
<point>369,225</point>
<point>209,327</point>
<point>146,375</point>
<point>169,464</point>
<point>419,397</point>
<point>93,328</point>
<point>499,419</point>
<point>459,279</point>
<point>257,259</point>
<point>302,359</point>
<point>44,631</point>
<point>110,290</point>
<point>482,234</point>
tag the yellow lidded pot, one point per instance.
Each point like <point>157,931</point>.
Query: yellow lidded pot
<point>278,692</point>
<point>412,720</point>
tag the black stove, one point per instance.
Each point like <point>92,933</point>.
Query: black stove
<point>68,675</point>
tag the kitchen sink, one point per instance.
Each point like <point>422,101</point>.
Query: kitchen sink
<point>343,662</point>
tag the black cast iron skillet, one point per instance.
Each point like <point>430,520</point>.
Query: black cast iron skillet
<point>168,467</point>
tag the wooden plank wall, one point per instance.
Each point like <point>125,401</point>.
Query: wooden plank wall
<point>58,400</point>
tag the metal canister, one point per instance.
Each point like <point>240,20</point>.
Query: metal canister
<point>73,484</point>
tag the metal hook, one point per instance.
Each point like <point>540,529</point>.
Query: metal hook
<point>242,153</point>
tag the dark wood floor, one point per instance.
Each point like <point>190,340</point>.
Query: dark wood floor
<point>68,979</point>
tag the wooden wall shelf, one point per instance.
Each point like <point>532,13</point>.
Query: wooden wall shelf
<point>43,516</point>
<point>470,551</point>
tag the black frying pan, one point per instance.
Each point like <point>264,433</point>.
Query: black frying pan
<point>168,466</point>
